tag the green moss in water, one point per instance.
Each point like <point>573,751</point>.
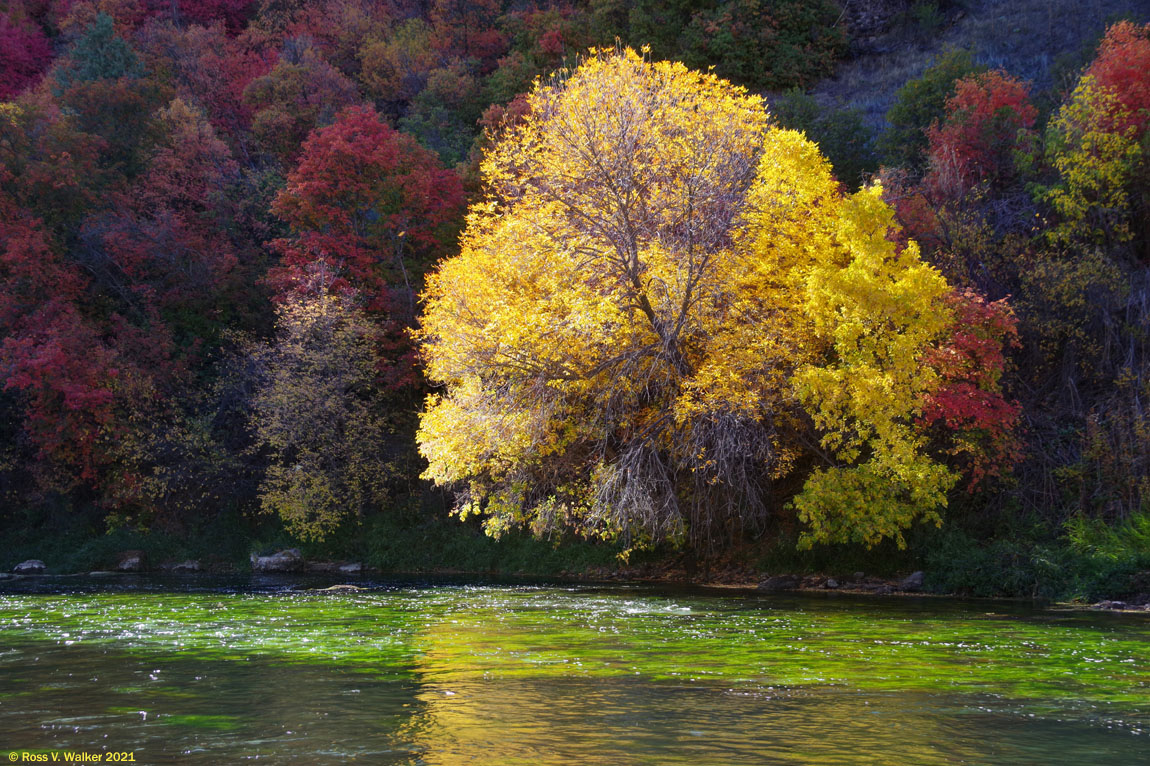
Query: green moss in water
<point>499,674</point>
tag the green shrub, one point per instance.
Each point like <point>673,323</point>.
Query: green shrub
<point>919,103</point>
<point>840,133</point>
<point>1125,541</point>
<point>776,44</point>
<point>1090,562</point>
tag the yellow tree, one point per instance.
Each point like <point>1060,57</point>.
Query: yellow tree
<point>1096,151</point>
<point>319,416</point>
<point>878,308</point>
<point>625,342</point>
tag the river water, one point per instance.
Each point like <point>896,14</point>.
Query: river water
<point>212,671</point>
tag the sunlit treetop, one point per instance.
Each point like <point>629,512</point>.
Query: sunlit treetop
<point>687,141</point>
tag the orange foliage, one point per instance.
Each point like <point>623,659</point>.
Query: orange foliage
<point>976,142</point>
<point>1122,68</point>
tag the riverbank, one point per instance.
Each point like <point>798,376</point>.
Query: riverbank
<point>857,584</point>
<point>290,562</point>
<point>958,559</point>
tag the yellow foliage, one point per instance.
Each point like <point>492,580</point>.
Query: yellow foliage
<point>1095,159</point>
<point>656,285</point>
<point>319,418</point>
<point>879,312</point>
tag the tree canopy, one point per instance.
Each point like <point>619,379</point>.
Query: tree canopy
<point>663,303</point>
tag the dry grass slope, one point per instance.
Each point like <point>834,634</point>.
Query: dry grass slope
<point>1026,37</point>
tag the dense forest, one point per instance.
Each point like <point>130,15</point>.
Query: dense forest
<point>393,279</point>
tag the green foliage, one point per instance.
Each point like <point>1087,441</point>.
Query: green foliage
<point>920,103</point>
<point>776,44</point>
<point>1002,566</point>
<point>444,116</point>
<point>1114,468</point>
<point>758,43</point>
<point>1093,561</point>
<point>925,18</point>
<point>658,23</point>
<point>102,85</point>
<point>417,533</point>
<point>70,539</point>
<point>782,552</point>
<point>840,134</point>
<point>98,54</point>
<point>1125,541</point>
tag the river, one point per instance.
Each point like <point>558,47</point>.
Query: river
<point>202,670</point>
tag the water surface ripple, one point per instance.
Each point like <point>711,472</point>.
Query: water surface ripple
<point>203,671</point>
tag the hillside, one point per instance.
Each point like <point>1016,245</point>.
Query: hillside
<point>530,284</point>
<point>894,41</point>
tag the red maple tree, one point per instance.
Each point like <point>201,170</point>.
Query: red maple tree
<point>980,424</point>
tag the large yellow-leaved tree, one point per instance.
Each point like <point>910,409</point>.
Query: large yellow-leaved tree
<point>662,306</point>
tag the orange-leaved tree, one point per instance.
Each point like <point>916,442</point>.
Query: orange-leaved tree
<point>977,140</point>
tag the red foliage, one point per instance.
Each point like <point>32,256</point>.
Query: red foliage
<point>164,261</point>
<point>188,169</point>
<point>1122,67</point>
<point>367,199</point>
<point>339,28</point>
<point>232,12</point>
<point>49,352</point>
<point>31,273</point>
<point>977,140</point>
<point>551,42</point>
<point>547,34</point>
<point>72,361</point>
<point>917,215</point>
<point>75,370</point>
<point>368,208</point>
<point>79,367</point>
<point>49,166</point>
<point>163,242</point>
<point>968,402</point>
<point>498,117</point>
<point>79,383</point>
<point>24,55</point>
<point>212,70</point>
<point>72,17</point>
<point>467,29</point>
<point>66,375</point>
